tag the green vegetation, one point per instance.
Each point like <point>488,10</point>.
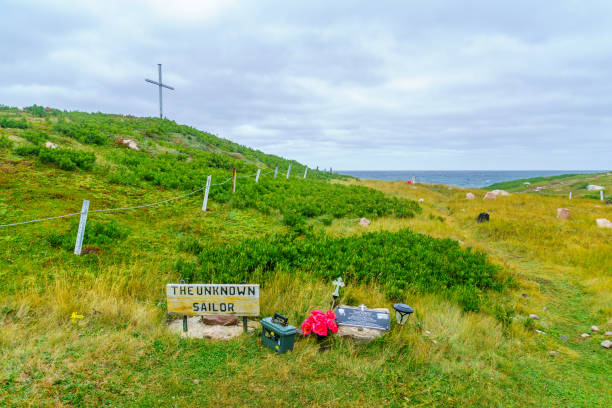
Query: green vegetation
<point>6,122</point>
<point>560,185</point>
<point>470,342</point>
<point>411,261</point>
<point>66,159</point>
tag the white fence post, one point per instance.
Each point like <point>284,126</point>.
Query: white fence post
<point>206,193</point>
<point>81,231</point>
<point>275,171</point>
<point>570,195</point>
<point>305,172</point>
<point>601,195</point>
<point>288,171</point>
<point>234,181</point>
<point>257,176</point>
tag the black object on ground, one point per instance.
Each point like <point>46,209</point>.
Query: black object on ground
<point>483,217</point>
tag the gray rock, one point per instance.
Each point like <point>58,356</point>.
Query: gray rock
<point>525,295</point>
<point>608,334</point>
<point>564,338</point>
<point>553,353</point>
<point>220,320</point>
<point>606,343</point>
<point>534,316</point>
<point>594,328</point>
<point>359,334</point>
<point>364,222</point>
<point>470,196</point>
<point>539,331</point>
<point>585,335</point>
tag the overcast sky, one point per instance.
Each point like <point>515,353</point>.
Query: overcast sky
<point>354,85</point>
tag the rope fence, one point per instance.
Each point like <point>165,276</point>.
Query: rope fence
<point>85,208</point>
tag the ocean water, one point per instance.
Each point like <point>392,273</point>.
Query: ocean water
<point>459,178</point>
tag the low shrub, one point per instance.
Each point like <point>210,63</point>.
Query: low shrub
<point>66,159</point>
<point>96,233</point>
<point>401,260</point>
<point>13,123</point>
<point>5,142</point>
<point>34,136</point>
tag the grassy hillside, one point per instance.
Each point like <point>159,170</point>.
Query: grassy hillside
<point>560,185</point>
<point>470,342</point>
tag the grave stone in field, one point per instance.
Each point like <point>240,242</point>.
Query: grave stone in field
<point>362,324</point>
<point>563,213</point>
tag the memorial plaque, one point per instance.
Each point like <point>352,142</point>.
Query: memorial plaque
<point>362,317</point>
<point>213,299</point>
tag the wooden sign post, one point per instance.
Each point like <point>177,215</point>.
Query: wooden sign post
<point>189,299</point>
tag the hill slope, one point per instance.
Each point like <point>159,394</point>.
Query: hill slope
<point>470,341</point>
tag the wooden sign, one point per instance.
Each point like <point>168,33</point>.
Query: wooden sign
<point>213,299</point>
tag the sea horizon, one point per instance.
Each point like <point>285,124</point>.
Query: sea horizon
<point>459,178</point>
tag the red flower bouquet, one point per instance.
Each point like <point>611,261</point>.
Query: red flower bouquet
<point>319,322</point>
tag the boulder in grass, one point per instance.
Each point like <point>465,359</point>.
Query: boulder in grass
<point>594,187</point>
<point>490,196</point>
<point>128,143</point>
<point>470,196</point>
<point>500,192</point>
<point>364,222</point>
<point>606,343</point>
<point>220,320</point>
<point>50,145</point>
<point>594,329</point>
<point>563,213</point>
<point>604,223</point>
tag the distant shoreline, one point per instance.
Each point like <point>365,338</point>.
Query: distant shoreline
<point>462,178</point>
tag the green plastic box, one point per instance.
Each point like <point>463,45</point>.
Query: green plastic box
<point>277,334</point>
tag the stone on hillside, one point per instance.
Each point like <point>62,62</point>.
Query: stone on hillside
<point>603,223</point>
<point>50,145</point>
<point>364,222</point>
<point>553,353</point>
<point>470,196</point>
<point>539,331</point>
<point>594,187</point>
<point>534,316</point>
<point>606,343</point>
<point>421,200</point>
<point>563,213</point>
<point>197,329</point>
<point>220,320</point>
<point>585,335</point>
<point>608,334</point>
<point>129,143</point>
<point>490,196</point>
<point>564,338</point>
<point>359,334</point>
<point>500,192</point>
<point>594,328</point>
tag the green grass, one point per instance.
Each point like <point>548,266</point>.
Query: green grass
<point>121,354</point>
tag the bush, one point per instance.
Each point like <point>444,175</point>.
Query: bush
<point>36,137</point>
<point>401,260</point>
<point>96,233</point>
<point>5,142</point>
<point>66,159</point>
<point>13,123</point>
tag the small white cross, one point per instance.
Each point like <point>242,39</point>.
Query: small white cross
<point>339,284</point>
